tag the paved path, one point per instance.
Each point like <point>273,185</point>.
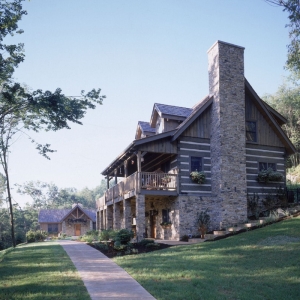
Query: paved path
<point>103,278</point>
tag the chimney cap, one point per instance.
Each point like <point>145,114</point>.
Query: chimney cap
<point>225,43</point>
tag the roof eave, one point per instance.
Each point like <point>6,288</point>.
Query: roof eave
<point>110,168</point>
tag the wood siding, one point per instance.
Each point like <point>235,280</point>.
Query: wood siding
<point>169,124</point>
<point>187,147</point>
<point>160,146</point>
<point>265,133</point>
<point>200,128</point>
<point>256,154</point>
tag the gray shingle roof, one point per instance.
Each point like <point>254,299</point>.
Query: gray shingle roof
<point>57,215</point>
<point>173,110</point>
<point>145,126</point>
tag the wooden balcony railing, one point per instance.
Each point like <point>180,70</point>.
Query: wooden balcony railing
<point>139,181</point>
<point>158,181</point>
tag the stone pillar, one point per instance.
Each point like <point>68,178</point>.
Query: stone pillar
<point>91,225</point>
<point>127,213</point>
<point>116,216</point>
<point>228,142</point>
<point>140,216</point>
<point>109,217</point>
<point>104,219</point>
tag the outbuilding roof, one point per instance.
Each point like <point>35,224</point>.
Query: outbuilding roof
<point>57,215</point>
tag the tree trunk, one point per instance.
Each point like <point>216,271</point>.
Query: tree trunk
<point>11,213</point>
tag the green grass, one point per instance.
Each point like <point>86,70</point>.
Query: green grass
<point>40,271</point>
<point>259,264</point>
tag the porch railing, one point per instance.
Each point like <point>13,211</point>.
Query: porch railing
<point>158,181</point>
<point>138,181</point>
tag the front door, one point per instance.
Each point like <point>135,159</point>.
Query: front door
<point>77,229</point>
<point>153,226</point>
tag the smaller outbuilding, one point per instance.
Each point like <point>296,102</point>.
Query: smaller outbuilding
<point>73,221</point>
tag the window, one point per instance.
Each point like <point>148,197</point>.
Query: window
<point>196,164</point>
<point>251,131</point>
<point>165,215</point>
<point>52,228</point>
<point>266,166</point>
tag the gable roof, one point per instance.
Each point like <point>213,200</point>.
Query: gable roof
<point>169,112</point>
<point>189,115</point>
<point>270,115</point>
<point>145,127</point>
<point>198,109</point>
<point>57,215</point>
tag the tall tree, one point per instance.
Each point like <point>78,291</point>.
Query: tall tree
<point>22,110</point>
<point>287,102</point>
<point>292,7</point>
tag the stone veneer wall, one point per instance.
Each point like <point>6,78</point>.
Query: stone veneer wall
<point>228,160</point>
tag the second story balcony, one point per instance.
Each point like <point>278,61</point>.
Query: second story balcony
<point>147,183</point>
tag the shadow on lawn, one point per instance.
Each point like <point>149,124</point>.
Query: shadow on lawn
<point>234,268</point>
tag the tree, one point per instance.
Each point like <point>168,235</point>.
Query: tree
<point>23,110</point>
<point>287,102</point>
<point>48,195</point>
<point>292,7</point>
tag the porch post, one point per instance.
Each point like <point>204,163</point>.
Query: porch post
<point>107,181</point>
<point>116,178</point>
<point>139,169</point>
<point>116,215</point>
<point>91,225</point>
<point>127,213</point>
<point>125,168</point>
<point>104,219</point>
<point>140,217</point>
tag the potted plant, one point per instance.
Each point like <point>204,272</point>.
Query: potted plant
<point>166,179</point>
<point>166,225</point>
<point>203,220</point>
<point>269,175</point>
<point>198,177</point>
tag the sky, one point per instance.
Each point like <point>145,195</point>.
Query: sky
<point>139,53</point>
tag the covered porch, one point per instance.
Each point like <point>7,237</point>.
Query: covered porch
<point>148,216</point>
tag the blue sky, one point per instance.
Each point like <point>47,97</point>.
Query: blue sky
<point>138,53</point>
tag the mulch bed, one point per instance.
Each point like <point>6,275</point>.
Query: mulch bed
<point>110,253</point>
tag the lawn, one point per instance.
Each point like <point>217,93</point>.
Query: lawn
<point>40,271</point>
<point>258,264</point>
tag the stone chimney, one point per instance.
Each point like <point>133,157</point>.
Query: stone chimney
<point>228,142</point>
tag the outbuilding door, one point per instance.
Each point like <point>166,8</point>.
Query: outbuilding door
<point>77,229</point>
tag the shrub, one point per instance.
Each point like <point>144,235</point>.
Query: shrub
<point>87,238</point>
<point>92,232</point>
<point>152,246</point>
<point>101,246</point>
<point>36,236</point>
<point>184,238</point>
<point>125,235</point>
<point>104,235</point>
<point>145,242</point>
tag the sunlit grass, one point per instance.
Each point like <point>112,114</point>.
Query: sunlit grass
<point>39,271</point>
<point>259,264</point>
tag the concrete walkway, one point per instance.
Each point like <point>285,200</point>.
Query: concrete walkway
<point>102,277</point>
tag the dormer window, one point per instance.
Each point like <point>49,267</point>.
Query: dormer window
<point>251,135</point>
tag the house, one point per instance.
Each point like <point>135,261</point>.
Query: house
<point>230,135</point>
<point>73,221</point>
